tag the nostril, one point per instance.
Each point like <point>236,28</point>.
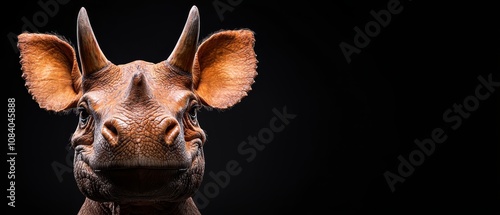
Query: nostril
<point>110,133</point>
<point>172,130</point>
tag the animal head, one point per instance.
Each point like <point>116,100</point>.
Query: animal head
<point>138,138</point>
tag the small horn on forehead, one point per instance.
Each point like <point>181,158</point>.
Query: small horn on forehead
<point>91,56</point>
<point>183,54</point>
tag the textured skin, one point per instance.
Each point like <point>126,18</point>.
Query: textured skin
<point>138,145</point>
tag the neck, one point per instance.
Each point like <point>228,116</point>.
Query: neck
<point>91,207</point>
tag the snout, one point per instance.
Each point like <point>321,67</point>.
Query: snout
<point>117,131</point>
<point>151,142</point>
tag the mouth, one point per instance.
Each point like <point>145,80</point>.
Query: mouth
<point>142,177</point>
<point>166,169</point>
<point>137,175</point>
<point>142,165</point>
<point>141,180</point>
<point>155,163</point>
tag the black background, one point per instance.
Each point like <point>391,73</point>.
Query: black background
<point>352,121</point>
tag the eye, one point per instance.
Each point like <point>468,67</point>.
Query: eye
<point>83,115</point>
<point>192,112</point>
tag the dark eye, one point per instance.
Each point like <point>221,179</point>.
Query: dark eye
<point>84,115</point>
<point>192,112</point>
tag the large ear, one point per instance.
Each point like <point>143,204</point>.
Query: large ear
<point>224,68</point>
<point>51,71</point>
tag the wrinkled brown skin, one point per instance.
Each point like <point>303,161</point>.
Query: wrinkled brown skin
<point>138,145</point>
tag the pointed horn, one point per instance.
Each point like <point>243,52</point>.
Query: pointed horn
<point>91,56</point>
<point>183,54</point>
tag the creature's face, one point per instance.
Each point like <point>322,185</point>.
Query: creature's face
<point>138,137</point>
